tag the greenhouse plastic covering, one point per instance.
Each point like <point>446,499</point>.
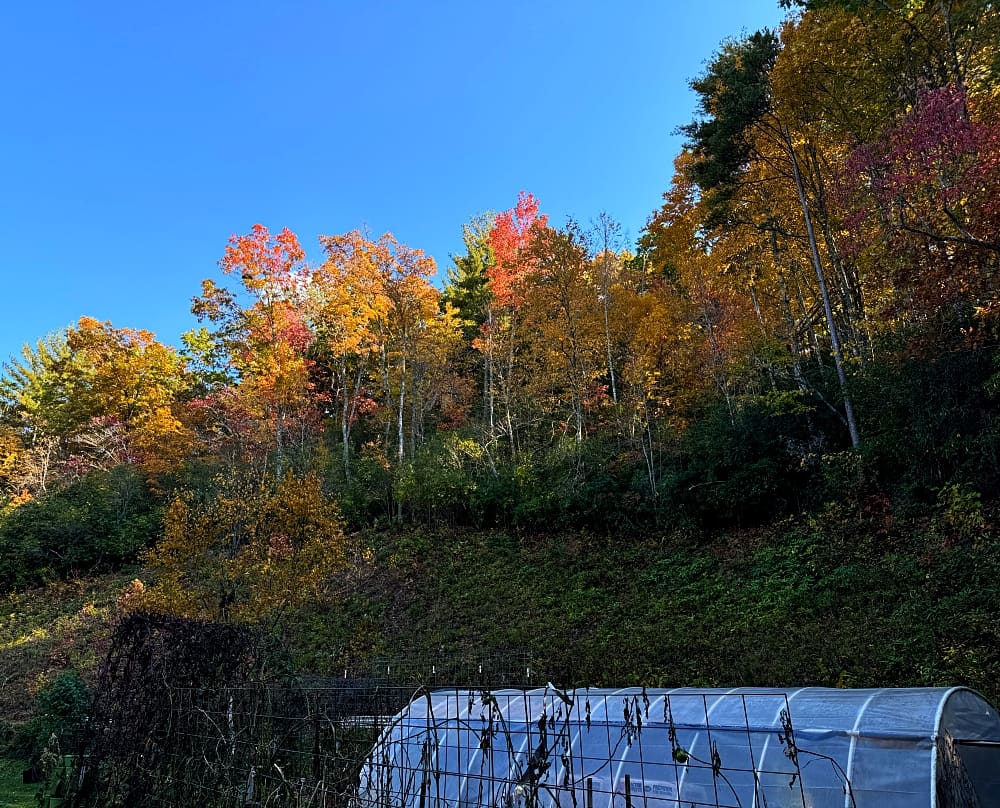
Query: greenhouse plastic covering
<point>646,748</point>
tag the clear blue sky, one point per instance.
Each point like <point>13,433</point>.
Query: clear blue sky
<point>136,137</point>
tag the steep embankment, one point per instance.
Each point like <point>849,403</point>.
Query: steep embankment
<point>849,598</point>
<point>43,631</point>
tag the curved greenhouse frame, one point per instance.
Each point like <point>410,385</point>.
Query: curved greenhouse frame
<point>646,748</point>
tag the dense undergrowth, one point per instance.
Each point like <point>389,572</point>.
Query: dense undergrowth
<point>49,630</point>
<point>811,600</point>
<point>849,596</point>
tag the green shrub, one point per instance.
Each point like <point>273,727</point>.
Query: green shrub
<point>98,522</point>
<point>961,509</point>
<point>927,424</point>
<point>744,467</point>
<point>436,485</point>
<point>61,710</point>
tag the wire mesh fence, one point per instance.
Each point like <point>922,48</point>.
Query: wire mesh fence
<point>503,668</point>
<point>371,743</point>
<point>253,745</point>
<point>191,713</point>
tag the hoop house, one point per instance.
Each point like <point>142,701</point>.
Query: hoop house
<point>645,748</point>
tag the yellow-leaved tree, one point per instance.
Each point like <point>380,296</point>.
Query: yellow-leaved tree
<point>248,554</point>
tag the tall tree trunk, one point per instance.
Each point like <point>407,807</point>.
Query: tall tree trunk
<point>345,426</point>
<point>852,426</point>
<point>400,449</point>
<point>646,442</point>
<point>508,389</point>
<point>279,447</point>
<point>786,304</point>
<point>387,389</point>
<point>489,390</point>
<point>607,341</point>
<point>850,287</point>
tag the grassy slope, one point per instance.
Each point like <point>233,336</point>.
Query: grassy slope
<point>63,626</point>
<point>843,599</point>
<point>850,597</point>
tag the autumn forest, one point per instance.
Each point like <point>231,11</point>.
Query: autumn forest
<point>758,445</point>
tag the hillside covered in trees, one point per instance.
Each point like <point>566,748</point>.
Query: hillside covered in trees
<point>758,446</point>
